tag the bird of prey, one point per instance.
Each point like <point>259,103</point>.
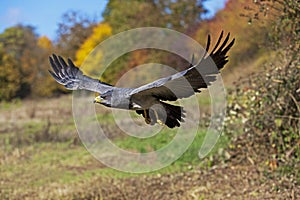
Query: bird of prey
<point>149,100</point>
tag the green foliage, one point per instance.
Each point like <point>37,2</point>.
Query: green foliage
<point>178,15</point>
<point>79,34</point>
<point>24,64</point>
<point>269,109</point>
<point>9,77</point>
<point>266,106</point>
<point>19,43</point>
<point>124,15</point>
<point>44,148</point>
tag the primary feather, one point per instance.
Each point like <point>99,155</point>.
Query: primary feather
<point>145,98</point>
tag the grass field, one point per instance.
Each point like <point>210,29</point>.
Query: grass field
<point>42,157</point>
<point>41,151</point>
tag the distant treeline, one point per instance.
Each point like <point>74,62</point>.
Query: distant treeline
<point>24,55</point>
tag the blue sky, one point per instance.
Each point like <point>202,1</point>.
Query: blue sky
<point>45,15</point>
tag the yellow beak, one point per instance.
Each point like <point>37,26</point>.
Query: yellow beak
<point>97,99</point>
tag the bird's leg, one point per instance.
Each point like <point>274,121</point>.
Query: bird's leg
<point>157,119</point>
<point>147,118</point>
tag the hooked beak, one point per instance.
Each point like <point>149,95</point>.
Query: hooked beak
<point>97,99</point>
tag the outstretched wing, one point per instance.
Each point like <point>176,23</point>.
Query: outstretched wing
<point>72,77</point>
<point>186,83</point>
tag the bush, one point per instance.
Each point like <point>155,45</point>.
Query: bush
<point>268,103</point>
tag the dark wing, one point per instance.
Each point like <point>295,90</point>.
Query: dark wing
<point>72,77</point>
<point>186,83</point>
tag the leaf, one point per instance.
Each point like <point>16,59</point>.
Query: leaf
<point>278,122</point>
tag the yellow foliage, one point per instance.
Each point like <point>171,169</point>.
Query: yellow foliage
<point>100,33</point>
<point>45,43</point>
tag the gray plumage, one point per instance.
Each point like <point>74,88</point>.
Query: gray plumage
<point>148,100</point>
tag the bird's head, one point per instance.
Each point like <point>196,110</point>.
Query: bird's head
<point>104,99</point>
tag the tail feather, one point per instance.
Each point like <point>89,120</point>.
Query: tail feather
<point>168,114</point>
<point>175,115</point>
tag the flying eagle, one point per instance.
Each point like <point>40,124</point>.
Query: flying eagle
<point>148,100</point>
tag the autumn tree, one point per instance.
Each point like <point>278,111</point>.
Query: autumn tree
<point>24,64</point>
<point>9,76</point>
<point>250,38</point>
<point>178,15</point>
<point>285,20</point>
<point>44,85</point>
<point>100,33</point>
<point>124,15</point>
<point>20,44</point>
<point>73,30</point>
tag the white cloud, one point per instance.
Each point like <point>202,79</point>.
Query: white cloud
<point>12,16</point>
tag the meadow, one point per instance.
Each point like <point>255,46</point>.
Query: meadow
<point>41,150</point>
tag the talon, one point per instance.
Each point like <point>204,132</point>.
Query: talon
<point>160,122</point>
<point>148,120</point>
<point>157,119</point>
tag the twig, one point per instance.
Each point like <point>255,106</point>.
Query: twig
<point>286,116</point>
<point>295,101</point>
<point>298,108</point>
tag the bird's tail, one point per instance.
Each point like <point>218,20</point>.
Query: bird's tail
<point>163,113</point>
<point>174,115</point>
